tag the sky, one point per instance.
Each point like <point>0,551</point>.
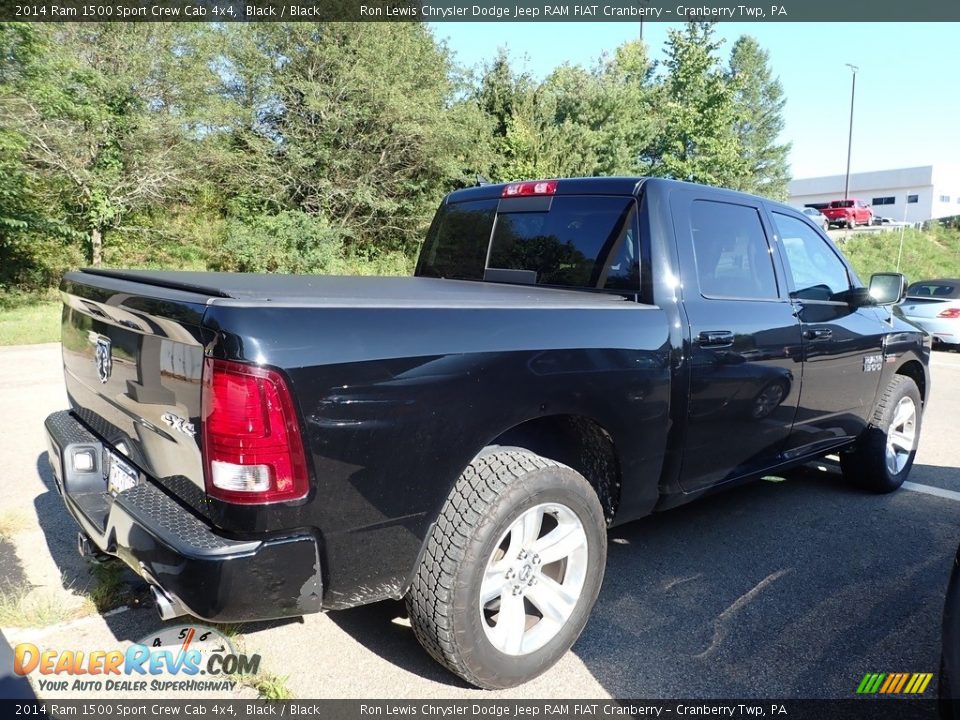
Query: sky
<point>907,108</point>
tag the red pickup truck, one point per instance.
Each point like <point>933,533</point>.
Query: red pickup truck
<point>848,213</point>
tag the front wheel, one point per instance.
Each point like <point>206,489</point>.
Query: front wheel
<point>883,456</point>
<point>511,570</point>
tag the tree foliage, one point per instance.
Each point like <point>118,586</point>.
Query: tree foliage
<point>698,140</point>
<point>759,101</point>
<point>326,146</point>
<point>103,128</point>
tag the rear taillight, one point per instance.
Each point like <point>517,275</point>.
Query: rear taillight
<point>951,313</point>
<point>251,436</point>
<point>532,187</point>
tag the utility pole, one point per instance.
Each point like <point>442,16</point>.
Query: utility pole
<point>645,4</point>
<point>853,91</point>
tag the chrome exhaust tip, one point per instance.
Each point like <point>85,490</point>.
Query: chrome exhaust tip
<point>85,547</point>
<point>167,606</point>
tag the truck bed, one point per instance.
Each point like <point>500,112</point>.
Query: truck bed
<point>356,291</point>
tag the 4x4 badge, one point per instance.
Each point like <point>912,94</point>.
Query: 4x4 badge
<point>179,424</point>
<point>103,359</point>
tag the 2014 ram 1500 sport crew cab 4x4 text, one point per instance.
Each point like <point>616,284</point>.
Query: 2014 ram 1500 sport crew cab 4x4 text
<point>571,355</point>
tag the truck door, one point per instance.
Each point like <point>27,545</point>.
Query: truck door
<point>842,345</point>
<point>744,339</point>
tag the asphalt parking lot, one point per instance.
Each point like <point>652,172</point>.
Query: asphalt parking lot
<point>789,588</point>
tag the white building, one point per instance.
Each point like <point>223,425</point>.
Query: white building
<point>911,194</point>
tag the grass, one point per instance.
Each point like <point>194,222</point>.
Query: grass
<point>268,685</point>
<point>26,606</point>
<point>231,631</point>
<point>108,589</point>
<point>12,522</point>
<point>29,324</point>
<point>926,254</point>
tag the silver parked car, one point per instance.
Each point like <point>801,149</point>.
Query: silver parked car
<point>816,217</point>
<point>934,305</point>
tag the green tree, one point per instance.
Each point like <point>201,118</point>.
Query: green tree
<point>355,123</point>
<point>34,249</point>
<point>18,51</point>
<point>576,122</point>
<point>520,126</point>
<point>104,120</point>
<point>697,140</point>
<point>758,103</point>
<point>291,241</point>
<point>609,115</point>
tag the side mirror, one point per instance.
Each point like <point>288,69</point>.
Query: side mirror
<point>888,288</point>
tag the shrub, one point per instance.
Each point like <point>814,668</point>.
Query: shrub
<point>288,242</point>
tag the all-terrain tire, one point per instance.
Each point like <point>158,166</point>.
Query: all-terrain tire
<point>866,465</point>
<point>499,487</point>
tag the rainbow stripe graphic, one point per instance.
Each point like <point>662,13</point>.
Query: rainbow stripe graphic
<point>894,683</point>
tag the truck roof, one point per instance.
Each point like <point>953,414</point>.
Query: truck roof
<point>565,186</point>
<point>606,186</point>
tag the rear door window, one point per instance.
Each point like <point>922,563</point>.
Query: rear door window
<point>732,253</point>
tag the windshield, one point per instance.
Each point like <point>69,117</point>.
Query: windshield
<point>935,288</point>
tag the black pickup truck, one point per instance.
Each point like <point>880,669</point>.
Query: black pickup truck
<point>571,355</point>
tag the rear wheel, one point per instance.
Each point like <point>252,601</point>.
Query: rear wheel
<point>768,399</point>
<point>511,570</point>
<point>883,456</point>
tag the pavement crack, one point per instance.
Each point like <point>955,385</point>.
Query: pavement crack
<point>722,621</point>
<point>679,581</point>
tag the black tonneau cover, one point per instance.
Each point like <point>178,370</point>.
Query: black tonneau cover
<point>355,291</point>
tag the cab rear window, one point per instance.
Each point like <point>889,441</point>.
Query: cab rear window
<point>567,241</point>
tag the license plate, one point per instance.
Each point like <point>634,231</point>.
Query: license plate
<point>120,476</point>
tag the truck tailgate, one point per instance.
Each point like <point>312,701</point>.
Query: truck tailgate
<point>133,361</point>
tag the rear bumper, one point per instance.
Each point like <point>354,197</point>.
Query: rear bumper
<point>945,330</point>
<point>213,577</point>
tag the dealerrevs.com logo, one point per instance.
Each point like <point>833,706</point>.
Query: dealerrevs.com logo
<point>186,658</point>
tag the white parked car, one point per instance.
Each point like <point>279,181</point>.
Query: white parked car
<point>934,305</point>
<point>817,217</point>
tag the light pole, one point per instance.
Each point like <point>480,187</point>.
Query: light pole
<point>645,4</point>
<point>853,91</point>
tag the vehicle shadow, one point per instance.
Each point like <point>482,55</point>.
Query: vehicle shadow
<point>384,629</point>
<point>76,572</point>
<point>783,588</point>
<point>786,587</point>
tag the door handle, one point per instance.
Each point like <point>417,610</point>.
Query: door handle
<point>715,338</point>
<point>818,334</point>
